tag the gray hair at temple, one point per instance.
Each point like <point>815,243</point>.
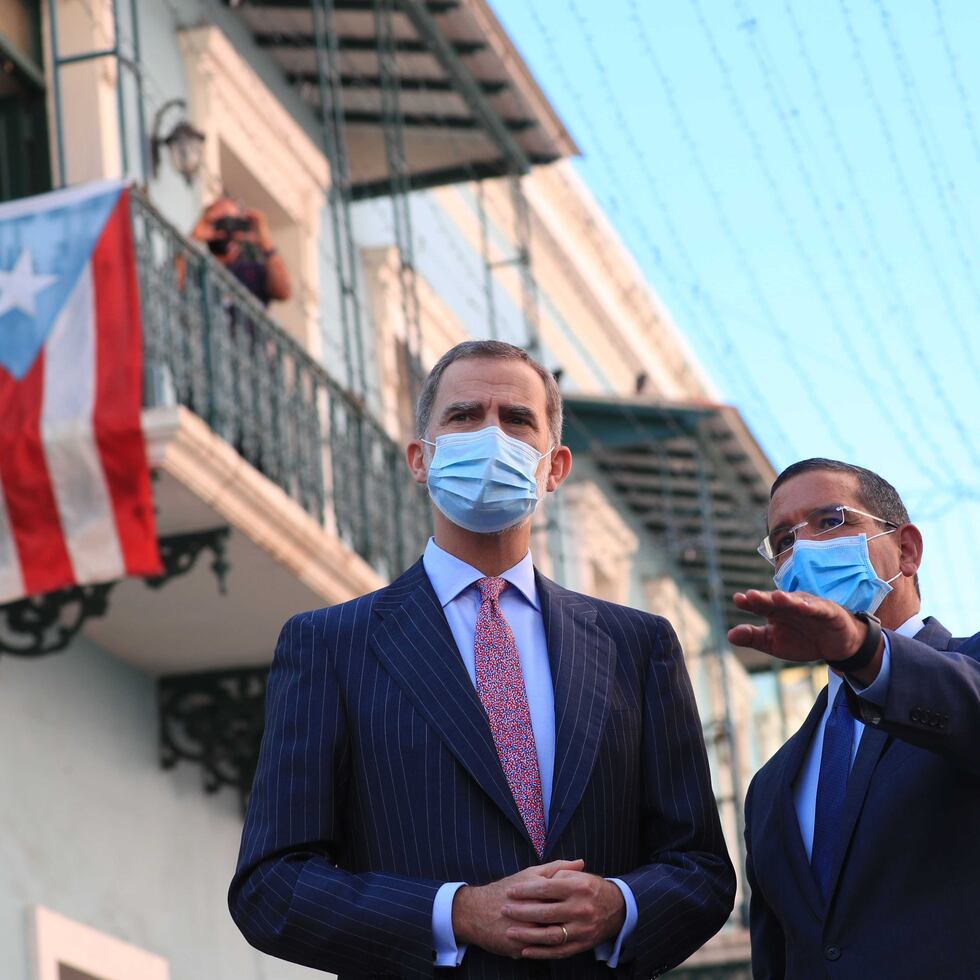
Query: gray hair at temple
<point>472,349</point>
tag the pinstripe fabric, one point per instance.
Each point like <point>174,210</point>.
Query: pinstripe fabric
<point>378,780</point>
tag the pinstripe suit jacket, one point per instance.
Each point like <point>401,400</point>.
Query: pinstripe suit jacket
<point>378,781</point>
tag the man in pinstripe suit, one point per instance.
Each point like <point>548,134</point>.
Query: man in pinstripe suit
<point>474,768</point>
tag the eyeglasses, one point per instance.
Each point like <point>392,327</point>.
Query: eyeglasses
<point>822,520</point>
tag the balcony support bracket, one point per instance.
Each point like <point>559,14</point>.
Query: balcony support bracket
<point>179,554</point>
<point>47,623</point>
<point>214,719</point>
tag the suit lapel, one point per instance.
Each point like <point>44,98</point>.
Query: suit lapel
<point>415,644</point>
<point>796,750</point>
<point>934,634</point>
<point>583,664</point>
<point>873,742</point>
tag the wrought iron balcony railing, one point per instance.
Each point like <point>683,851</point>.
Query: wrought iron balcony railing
<point>210,346</point>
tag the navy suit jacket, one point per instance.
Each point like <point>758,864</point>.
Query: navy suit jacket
<point>905,890</point>
<point>378,781</point>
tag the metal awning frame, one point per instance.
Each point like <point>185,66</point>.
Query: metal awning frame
<point>472,94</point>
<point>499,137</point>
<point>703,506</point>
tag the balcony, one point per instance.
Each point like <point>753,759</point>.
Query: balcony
<point>246,430</point>
<point>212,348</point>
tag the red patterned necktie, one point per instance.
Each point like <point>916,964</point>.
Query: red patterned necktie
<point>500,685</point>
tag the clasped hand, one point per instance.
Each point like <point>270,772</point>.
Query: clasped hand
<point>523,915</point>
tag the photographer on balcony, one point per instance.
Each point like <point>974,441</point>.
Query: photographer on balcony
<point>239,239</point>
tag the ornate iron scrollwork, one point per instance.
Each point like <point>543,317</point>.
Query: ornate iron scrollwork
<point>179,554</point>
<point>47,623</point>
<point>214,719</point>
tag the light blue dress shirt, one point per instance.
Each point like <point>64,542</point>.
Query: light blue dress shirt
<point>805,791</point>
<point>454,583</point>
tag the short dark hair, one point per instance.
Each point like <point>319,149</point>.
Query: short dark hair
<point>472,349</point>
<point>874,492</point>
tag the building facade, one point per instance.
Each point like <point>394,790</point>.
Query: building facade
<point>418,187</point>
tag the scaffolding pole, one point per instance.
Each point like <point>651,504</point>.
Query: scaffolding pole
<point>520,260</point>
<point>721,650</point>
<point>517,164</point>
<point>529,286</point>
<point>345,252</point>
<point>487,260</point>
<point>400,184</point>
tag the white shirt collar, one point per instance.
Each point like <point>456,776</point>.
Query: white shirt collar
<point>450,575</point>
<point>911,626</point>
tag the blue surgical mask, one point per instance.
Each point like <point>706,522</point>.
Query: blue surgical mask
<point>484,481</point>
<point>838,569</point>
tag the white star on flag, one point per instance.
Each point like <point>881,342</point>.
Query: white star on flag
<point>19,287</point>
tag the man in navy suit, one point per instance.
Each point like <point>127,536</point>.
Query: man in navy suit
<point>862,830</point>
<point>474,768</point>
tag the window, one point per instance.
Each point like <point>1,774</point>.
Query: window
<point>68,950</point>
<point>70,973</point>
<point>25,165</point>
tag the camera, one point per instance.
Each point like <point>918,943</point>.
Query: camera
<point>231,224</point>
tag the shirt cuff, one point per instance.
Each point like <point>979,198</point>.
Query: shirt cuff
<point>877,691</point>
<point>609,953</point>
<point>443,939</point>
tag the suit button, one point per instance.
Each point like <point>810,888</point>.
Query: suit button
<point>832,952</point>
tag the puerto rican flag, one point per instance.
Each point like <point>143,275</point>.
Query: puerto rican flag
<point>75,501</point>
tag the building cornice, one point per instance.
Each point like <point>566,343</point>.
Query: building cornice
<point>182,445</point>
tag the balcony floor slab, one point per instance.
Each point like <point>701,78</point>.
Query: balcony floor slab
<point>282,561</point>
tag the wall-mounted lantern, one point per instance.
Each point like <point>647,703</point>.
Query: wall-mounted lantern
<point>185,143</point>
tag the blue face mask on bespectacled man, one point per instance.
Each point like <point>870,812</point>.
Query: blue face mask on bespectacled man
<point>838,569</point>
<point>484,481</point>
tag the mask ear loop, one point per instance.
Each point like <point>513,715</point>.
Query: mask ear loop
<point>898,574</point>
<point>882,534</point>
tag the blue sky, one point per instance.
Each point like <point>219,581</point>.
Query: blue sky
<point>799,182</point>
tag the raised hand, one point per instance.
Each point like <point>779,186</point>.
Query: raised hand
<point>260,233</point>
<point>801,627</point>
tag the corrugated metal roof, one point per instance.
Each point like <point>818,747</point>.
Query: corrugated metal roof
<point>470,107</point>
<point>695,478</point>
